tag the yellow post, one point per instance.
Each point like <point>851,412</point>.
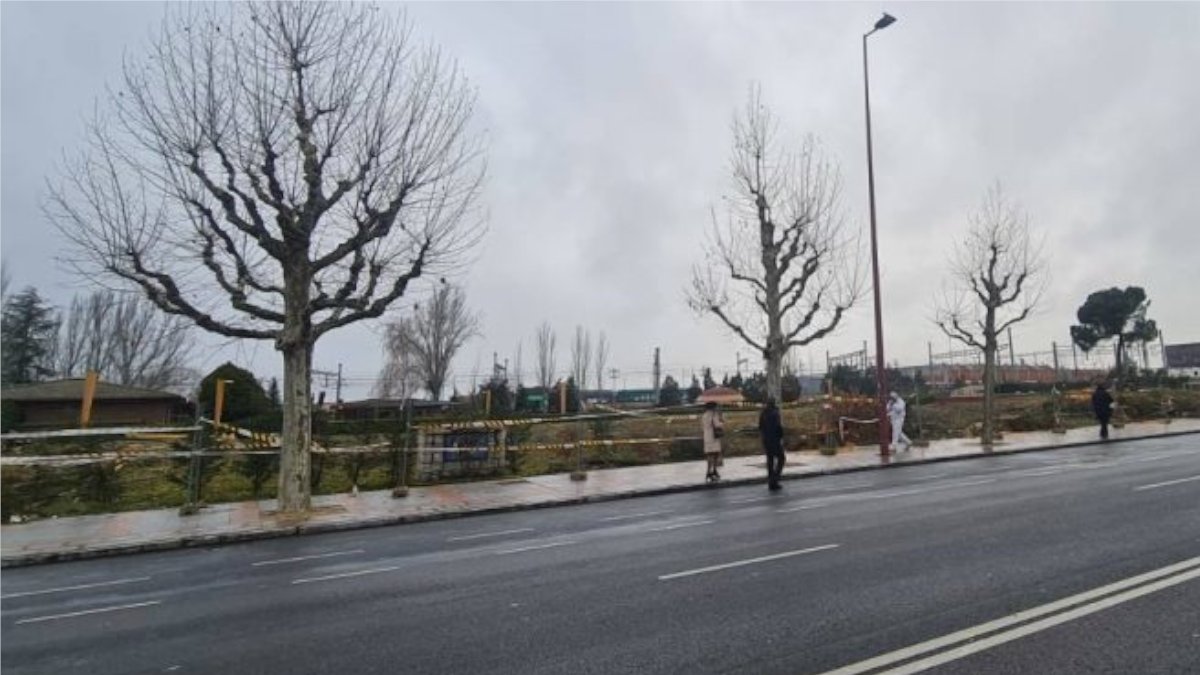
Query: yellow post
<point>89,393</point>
<point>219,402</point>
<point>487,403</point>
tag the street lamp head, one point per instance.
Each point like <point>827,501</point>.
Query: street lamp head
<point>885,21</point>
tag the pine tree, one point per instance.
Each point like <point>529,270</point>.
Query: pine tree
<point>29,331</point>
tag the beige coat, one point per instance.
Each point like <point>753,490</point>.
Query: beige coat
<point>708,421</point>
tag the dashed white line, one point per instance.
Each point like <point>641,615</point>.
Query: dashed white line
<point>300,558</point>
<point>79,587</point>
<point>99,610</point>
<point>1154,486</point>
<point>677,526</point>
<point>482,535</point>
<point>345,575</point>
<point>803,507</point>
<point>751,500</point>
<point>630,516</point>
<point>751,561</point>
<point>535,547</point>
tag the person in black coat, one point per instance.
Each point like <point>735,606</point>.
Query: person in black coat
<point>771,428</point>
<point>1102,404</point>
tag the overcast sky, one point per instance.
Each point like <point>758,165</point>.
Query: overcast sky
<point>608,128</point>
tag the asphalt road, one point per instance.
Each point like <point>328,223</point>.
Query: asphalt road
<point>1081,560</point>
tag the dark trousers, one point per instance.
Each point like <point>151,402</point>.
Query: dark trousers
<point>775,461</point>
<point>1103,427</point>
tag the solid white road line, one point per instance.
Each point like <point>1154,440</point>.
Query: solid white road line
<point>1038,626</point>
<point>345,575</point>
<point>482,535</point>
<point>677,526</point>
<point>299,558</point>
<point>630,516</point>
<point>751,561</point>
<point>1190,565</point>
<point>99,610</point>
<point>79,587</point>
<point>535,547</point>
<point>1154,486</point>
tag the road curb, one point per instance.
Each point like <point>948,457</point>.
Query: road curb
<point>223,538</point>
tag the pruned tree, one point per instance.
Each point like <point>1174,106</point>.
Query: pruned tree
<point>1114,314</point>
<point>997,279</point>
<point>601,359</point>
<point>276,171</point>
<point>581,357</point>
<point>784,267</point>
<point>28,331</point>
<point>517,364</point>
<point>432,336</point>
<point>546,340</point>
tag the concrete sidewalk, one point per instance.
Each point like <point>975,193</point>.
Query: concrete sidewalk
<point>134,531</point>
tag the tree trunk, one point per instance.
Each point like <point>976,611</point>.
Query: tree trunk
<point>774,363</point>
<point>294,464</point>
<point>989,383</point>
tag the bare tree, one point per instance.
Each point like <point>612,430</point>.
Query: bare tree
<point>399,377</point>
<point>997,280</point>
<point>516,377</point>
<point>783,269</point>
<point>601,359</point>
<point>276,171</point>
<point>581,357</point>
<point>433,335</point>
<point>5,281</point>
<point>126,338</point>
<point>546,340</point>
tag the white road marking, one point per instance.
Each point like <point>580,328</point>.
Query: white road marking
<point>535,547</point>
<point>299,558</point>
<point>677,526</point>
<point>100,584</point>
<point>629,516</point>
<point>1039,472</point>
<point>1038,626</point>
<point>1149,458</point>
<point>345,575</point>
<point>99,610</point>
<point>751,500</point>
<point>1153,486</point>
<point>482,535</point>
<point>972,633</point>
<point>803,507</point>
<point>751,561</point>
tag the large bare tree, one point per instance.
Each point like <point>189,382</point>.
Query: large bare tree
<point>997,279</point>
<point>783,268</point>
<point>126,338</point>
<point>581,357</point>
<point>276,171</point>
<point>545,344</point>
<point>433,335</point>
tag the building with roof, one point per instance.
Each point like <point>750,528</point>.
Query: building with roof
<point>1182,360</point>
<point>56,404</point>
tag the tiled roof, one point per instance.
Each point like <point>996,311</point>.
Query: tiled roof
<point>72,390</point>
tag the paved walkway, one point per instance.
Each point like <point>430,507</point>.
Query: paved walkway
<point>132,531</point>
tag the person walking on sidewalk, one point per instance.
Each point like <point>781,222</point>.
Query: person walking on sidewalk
<point>896,410</point>
<point>713,426</point>
<point>770,427</point>
<point>1102,405</point>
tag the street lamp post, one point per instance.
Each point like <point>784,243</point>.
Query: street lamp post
<point>880,374</point>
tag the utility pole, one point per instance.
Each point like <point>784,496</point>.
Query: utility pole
<point>657,374</point>
<point>338,390</point>
<point>614,374</point>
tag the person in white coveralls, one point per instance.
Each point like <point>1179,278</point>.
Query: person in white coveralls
<point>896,410</point>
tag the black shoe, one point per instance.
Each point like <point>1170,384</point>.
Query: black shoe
<point>774,486</point>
